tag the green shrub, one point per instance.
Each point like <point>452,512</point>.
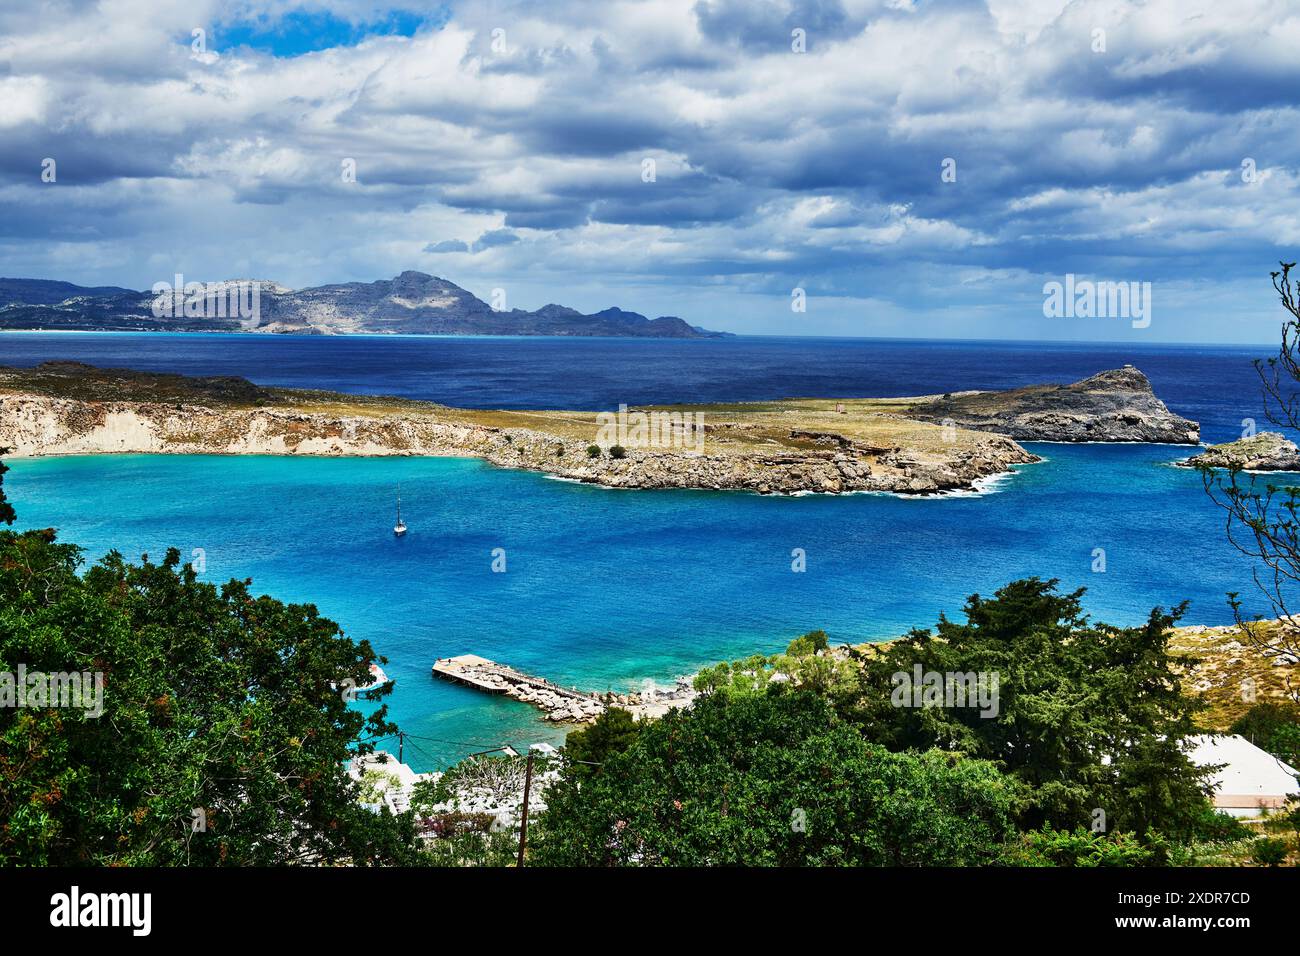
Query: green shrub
<point>617,451</point>
<point>593,451</point>
<point>1269,851</point>
<point>1048,847</point>
<point>1211,826</point>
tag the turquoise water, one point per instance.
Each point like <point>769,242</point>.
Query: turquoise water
<point>605,588</point>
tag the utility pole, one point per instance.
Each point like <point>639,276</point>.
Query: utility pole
<point>401,739</point>
<point>523,820</point>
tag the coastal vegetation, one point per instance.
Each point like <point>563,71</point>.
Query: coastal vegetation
<point>774,780</point>
<point>801,758</point>
<point>225,727</point>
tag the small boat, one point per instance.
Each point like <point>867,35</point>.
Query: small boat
<point>379,679</point>
<point>399,529</point>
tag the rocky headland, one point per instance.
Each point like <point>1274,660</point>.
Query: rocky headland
<point>783,447</point>
<point>1113,406</point>
<point>1265,451</point>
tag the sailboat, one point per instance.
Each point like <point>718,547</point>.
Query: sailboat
<point>399,529</point>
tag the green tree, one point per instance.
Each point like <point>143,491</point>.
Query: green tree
<point>1268,851</point>
<point>1264,719</point>
<point>219,708</point>
<point>1088,716</point>
<point>1273,726</point>
<point>612,733</point>
<point>773,779</point>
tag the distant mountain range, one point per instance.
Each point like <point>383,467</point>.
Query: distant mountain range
<point>411,303</point>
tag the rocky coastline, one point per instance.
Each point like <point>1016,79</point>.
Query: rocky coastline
<point>38,426</point>
<point>795,446</point>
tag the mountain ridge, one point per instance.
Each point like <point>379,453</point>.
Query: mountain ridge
<point>410,303</point>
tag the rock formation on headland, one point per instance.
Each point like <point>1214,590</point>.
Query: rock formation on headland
<point>1112,406</point>
<point>794,445</point>
<point>1266,451</point>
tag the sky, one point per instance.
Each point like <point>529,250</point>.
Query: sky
<point>895,167</point>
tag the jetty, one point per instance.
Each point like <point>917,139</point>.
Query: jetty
<point>559,703</point>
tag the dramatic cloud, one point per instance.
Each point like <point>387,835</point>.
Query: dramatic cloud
<point>915,168</point>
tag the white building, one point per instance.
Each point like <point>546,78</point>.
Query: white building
<point>1250,780</point>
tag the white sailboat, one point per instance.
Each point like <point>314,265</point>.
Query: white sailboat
<point>399,529</point>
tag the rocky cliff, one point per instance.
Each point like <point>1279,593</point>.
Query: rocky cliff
<point>1113,406</point>
<point>70,409</point>
<point>909,446</point>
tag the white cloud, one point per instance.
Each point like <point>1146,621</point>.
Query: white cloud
<point>772,166</point>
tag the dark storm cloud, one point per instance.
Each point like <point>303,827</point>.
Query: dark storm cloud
<point>530,127</point>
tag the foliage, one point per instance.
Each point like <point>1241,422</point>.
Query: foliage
<point>1079,847</point>
<point>7,515</point>
<point>475,848</point>
<point>588,748</point>
<point>375,783</point>
<point>617,451</point>
<point>1260,722</point>
<point>1269,851</point>
<point>806,664</point>
<point>1089,717</point>
<point>1275,727</point>
<point>593,451</point>
<point>1214,827</point>
<point>213,700</point>
<point>772,779</point>
<point>444,826</point>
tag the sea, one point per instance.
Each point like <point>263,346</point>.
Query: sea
<point>615,589</point>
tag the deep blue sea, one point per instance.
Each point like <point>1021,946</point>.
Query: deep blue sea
<point>606,588</point>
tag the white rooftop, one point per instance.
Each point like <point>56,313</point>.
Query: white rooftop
<point>1252,778</point>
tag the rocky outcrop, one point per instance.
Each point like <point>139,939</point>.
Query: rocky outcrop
<point>1266,451</point>
<point>33,424</point>
<point>1112,406</point>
